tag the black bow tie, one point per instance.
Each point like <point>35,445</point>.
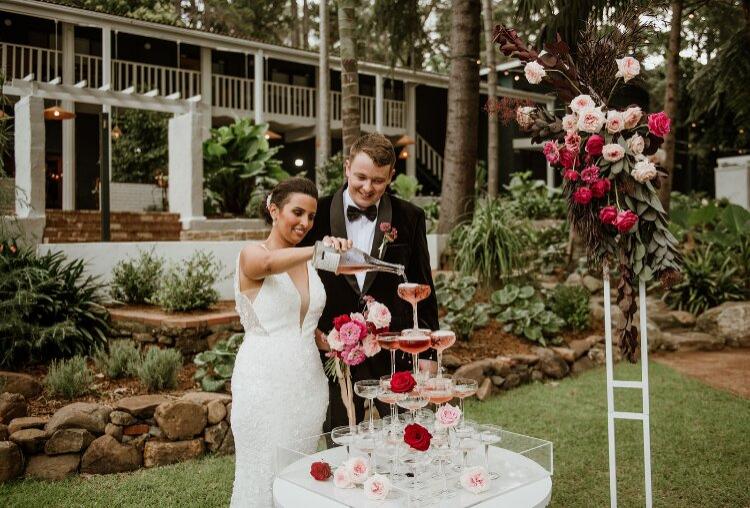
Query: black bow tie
<point>353,213</point>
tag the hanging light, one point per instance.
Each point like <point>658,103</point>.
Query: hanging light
<point>271,135</point>
<point>404,140</point>
<point>116,132</point>
<point>58,113</point>
<point>404,154</point>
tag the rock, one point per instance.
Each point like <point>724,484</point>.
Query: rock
<point>591,283</point>
<point>4,432</point>
<point>11,461</point>
<point>574,279</point>
<point>216,411</point>
<point>525,359</point>
<point>597,355</point>
<point>12,405</point>
<point>451,361</point>
<point>15,382</point>
<point>143,337</point>
<point>161,453</point>
<point>227,446</point>
<point>691,341</point>
<point>164,340</point>
<point>52,468</point>
<point>485,389</point>
<point>229,412</point>
<point>683,318</point>
<point>474,370</point>
<point>580,347</point>
<point>142,406</point>
<point>581,365</point>
<point>122,418</point>
<point>105,455</point>
<point>68,441</point>
<point>672,318</point>
<point>80,415</point>
<point>565,353</point>
<point>114,430</point>
<point>498,380</point>
<point>511,381</point>
<point>501,365</point>
<point>30,440</point>
<point>26,422</point>
<point>536,375</point>
<point>155,431</point>
<point>730,321</point>
<point>214,435</point>
<point>140,442</point>
<point>524,373</point>
<point>551,365</point>
<point>181,419</point>
<point>204,398</point>
<point>136,430</point>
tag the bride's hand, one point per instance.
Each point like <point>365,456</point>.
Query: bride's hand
<point>340,244</point>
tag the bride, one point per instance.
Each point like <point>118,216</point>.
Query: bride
<point>279,390</point>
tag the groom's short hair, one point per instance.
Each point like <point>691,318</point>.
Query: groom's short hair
<point>377,147</point>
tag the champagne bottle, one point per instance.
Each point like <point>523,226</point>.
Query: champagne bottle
<point>350,262</point>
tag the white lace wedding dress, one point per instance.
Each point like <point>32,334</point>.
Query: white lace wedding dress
<point>279,389</point>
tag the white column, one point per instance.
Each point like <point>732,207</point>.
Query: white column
<point>68,126</point>
<point>29,157</point>
<point>107,80</point>
<point>206,92</point>
<point>186,167</point>
<point>379,103</point>
<point>411,127</point>
<point>258,86</point>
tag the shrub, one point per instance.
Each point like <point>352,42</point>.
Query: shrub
<point>524,314</point>
<point>456,294</point>
<point>533,200</point>
<point>552,248</point>
<point>572,304</point>
<point>159,368</point>
<point>432,214</point>
<point>189,285</point>
<point>331,174</point>
<point>143,148</point>
<point>406,187</point>
<point>50,308</point>
<point>215,366</point>
<point>136,281</point>
<point>68,378</point>
<point>121,360</point>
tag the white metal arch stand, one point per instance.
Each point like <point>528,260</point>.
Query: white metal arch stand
<point>642,385</point>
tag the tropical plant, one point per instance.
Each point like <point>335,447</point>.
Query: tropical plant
<point>189,285</point>
<point>572,304</point>
<point>533,199</point>
<point>432,215</point>
<point>456,294</point>
<point>141,151</point>
<point>406,187</point>
<point>525,314</point>
<point>350,114</point>
<point>331,174</point>
<point>215,367</point>
<point>68,378</point>
<point>136,280</point>
<point>50,308</point>
<point>239,168</point>
<point>159,368</point>
<point>121,360</point>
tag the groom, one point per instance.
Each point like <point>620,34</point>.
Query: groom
<point>356,212</point>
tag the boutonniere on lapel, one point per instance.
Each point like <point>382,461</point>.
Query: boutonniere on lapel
<point>389,236</point>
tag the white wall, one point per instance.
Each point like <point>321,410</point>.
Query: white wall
<point>133,197</point>
<point>733,179</point>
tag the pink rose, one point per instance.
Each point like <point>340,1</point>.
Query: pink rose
<point>567,158</point>
<point>615,122</point>
<point>551,152</point>
<point>590,174</point>
<point>370,346</point>
<point>377,487</point>
<point>475,480</point>
<point>600,188</point>
<point>534,72</point>
<point>570,121</point>
<point>358,469</point>
<point>350,333</point>
<point>591,120</point>
<point>523,117</point>
<point>354,355</point>
<point>447,416</point>
<point>625,221</point>
<point>632,117</point>
<point>582,196</point>
<point>334,340</point>
<point>658,124</point>
<point>627,68</point>
<point>571,174</point>
<point>581,102</point>
<point>608,214</point>
<point>613,152</point>
<point>342,479</point>
<point>594,145</point>
<point>573,141</point>
<point>636,144</point>
<point>379,315</point>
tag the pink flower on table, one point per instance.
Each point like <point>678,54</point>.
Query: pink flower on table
<point>613,152</point>
<point>608,214</point>
<point>570,121</point>
<point>334,340</point>
<point>573,141</point>
<point>350,333</point>
<point>590,174</point>
<point>636,144</point>
<point>591,120</point>
<point>659,124</point>
<point>447,416</point>
<point>627,68</point>
<point>571,174</point>
<point>582,196</point>
<point>594,145</point>
<point>625,221</point>
<point>632,116</point>
<point>600,188</point>
<point>475,480</point>
<point>370,346</point>
<point>534,72</point>
<point>377,487</point>
<point>342,479</point>
<point>551,152</point>
<point>353,355</point>
<point>615,122</point>
<point>567,158</point>
<point>581,102</point>
<point>379,315</point>
<point>358,469</point>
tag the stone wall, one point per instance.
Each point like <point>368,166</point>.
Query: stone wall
<point>85,226</point>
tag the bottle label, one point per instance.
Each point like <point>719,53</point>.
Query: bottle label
<point>327,261</point>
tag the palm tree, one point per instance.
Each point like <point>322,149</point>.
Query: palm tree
<point>463,113</point>
<point>350,129</point>
<point>323,149</point>
<point>492,121</point>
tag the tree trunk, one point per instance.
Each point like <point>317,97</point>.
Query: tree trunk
<point>493,171</point>
<point>323,148</point>
<point>349,77</point>
<point>457,195</point>
<point>671,99</point>
<point>296,34</point>
<point>305,25</point>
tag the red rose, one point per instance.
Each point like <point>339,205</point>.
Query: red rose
<point>582,196</point>
<point>594,145</point>
<point>658,124</point>
<point>625,221</point>
<point>571,174</point>
<point>340,321</point>
<point>567,158</point>
<point>600,188</point>
<point>321,471</point>
<point>608,214</point>
<point>417,437</point>
<point>402,382</point>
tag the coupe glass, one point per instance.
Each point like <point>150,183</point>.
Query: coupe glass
<point>462,388</point>
<point>437,390</point>
<point>414,293</point>
<point>344,436</point>
<point>442,340</point>
<point>413,460</point>
<point>367,439</point>
<point>415,341</point>
<point>389,341</point>
<point>465,439</point>
<point>441,449</point>
<point>388,396</point>
<point>411,402</point>
<point>490,435</point>
<point>368,389</point>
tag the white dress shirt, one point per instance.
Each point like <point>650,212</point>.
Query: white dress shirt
<point>360,231</point>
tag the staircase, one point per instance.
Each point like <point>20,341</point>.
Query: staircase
<point>429,166</point>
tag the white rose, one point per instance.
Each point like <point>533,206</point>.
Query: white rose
<point>334,341</point>
<point>523,117</point>
<point>377,487</point>
<point>591,120</point>
<point>627,68</point>
<point>379,315</point>
<point>632,117</point>
<point>615,122</point>
<point>644,171</point>
<point>570,122</point>
<point>534,72</point>
<point>358,469</point>
<point>342,479</point>
<point>613,152</point>
<point>636,144</point>
<point>581,102</point>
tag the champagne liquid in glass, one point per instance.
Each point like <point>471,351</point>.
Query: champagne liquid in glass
<point>414,341</point>
<point>442,340</point>
<point>390,341</point>
<point>413,293</point>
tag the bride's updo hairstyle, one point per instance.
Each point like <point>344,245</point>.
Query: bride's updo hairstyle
<point>280,194</point>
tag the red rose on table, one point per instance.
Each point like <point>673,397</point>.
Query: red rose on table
<point>417,437</point>
<point>321,471</point>
<point>340,321</point>
<point>402,382</point>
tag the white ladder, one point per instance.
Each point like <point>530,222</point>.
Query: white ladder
<point>642,385</point>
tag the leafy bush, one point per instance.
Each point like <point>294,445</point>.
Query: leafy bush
<point>50,308</point>
<point>533,200</point>
<point>524,314</point>
<point>136,281</point>
<point>331,174</point>
<point>68,378</point>
<point>215,366</point>
<point>406,187</point>
<point>551,247</point>
<point>142,150</point>
<point>493,245</point>
<point>456,294</point>
<point>159,368</point>
<point>189,285</point>
<point>432,214</point>
<point>239,168</point>
<point>572,304</point>
<point>121,360</point>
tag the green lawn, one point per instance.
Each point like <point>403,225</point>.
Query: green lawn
<point>701,451</point>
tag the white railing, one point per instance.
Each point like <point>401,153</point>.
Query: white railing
<point>232,92</point>
<point>429,157</point>
<point>393,114</point>
<point>145,77</point>
<point>89,68</point>
<point>288,100</point>
<point>393,111</point>
<point>18,61</point>
<point>366,110</point>
<point>335,98</point>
